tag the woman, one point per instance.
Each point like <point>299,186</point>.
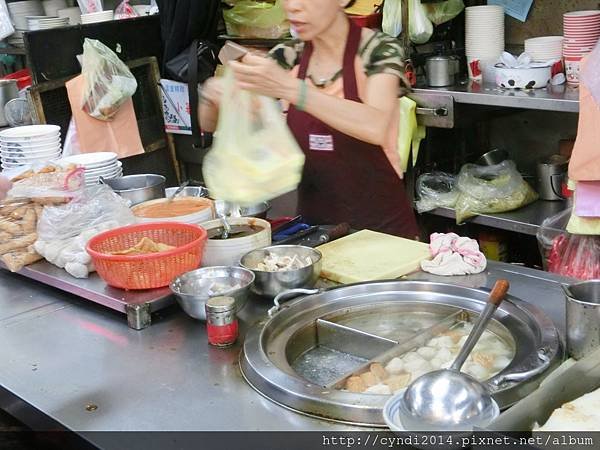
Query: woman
<point>342,84</point>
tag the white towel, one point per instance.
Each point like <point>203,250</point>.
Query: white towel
<point>454,255</point>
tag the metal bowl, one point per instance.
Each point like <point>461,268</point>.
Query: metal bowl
<point>188,191</point>
<point>228,209</point>
<point>138,188</point>
<point>269,284</point>
<point>192,288</point>
<point>492,157</point>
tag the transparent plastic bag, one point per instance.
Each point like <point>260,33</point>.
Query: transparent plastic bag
<point>125,11</point>
<point>491,189</point>
<point>392,17</point>
<point>255,156</point>
<point>63,231</point>
<point>51,182</point>
<point>90,6</point>
<point>420,27</point>
<point>436,189</point>
<point>108,82</point>
<point>443,12</point>
<point>255,19</point>
<point>565,253</point>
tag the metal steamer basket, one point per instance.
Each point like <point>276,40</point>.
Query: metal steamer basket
<point>336,332</point>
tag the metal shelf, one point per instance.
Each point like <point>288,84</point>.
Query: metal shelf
<point>12,51</point>
<point>526,220</point>
<point>561,98</point>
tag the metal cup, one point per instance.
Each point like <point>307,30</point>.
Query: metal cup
<point>583,318</point>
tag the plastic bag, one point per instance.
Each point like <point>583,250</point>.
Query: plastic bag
<point>445,11</point>
<point>108,82</point>
<point>90,6</point>
<point>254,19</point>
<point>491,189</point>
<point>436,189</point>
<point>50,182</point>
<point>420,27</point>
<point>565,253</point>
<point>125,11</point>
<point>392,17</point>
<point>63,231</point>
<point>255,157</point>
<point>6,26</point>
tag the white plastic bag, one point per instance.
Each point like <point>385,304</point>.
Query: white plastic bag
<point>6,26</point>
<point>255,157</point>
<point>420,28</point>
<point>392,17</point>
<point>108,82</point>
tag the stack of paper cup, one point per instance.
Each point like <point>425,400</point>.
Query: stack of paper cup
<point>484,30</point>
<point>544,48</point>
<point>581,31</point>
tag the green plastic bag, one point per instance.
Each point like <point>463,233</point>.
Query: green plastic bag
<point>255,19</point>
<point>255,157</point>
<point>443,12</point>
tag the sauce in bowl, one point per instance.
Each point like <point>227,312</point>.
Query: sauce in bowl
<point>157,209</point>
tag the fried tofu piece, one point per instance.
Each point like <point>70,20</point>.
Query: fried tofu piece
<point>378,370</point>
<point>369,378</point>
<point>398,382</point>
<point>355,384</point>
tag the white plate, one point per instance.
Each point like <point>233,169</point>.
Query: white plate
<point>32,145</point>
<point>92,160</point>
<point>29,132</point>
<point>17,161</point>
<point>18,157</point>
<point>103,173</point>
<point>30,149</point>
<point>108,168</point>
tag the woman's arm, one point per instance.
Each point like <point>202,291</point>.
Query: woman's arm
<point>366,121</point>
<point>208,108</point>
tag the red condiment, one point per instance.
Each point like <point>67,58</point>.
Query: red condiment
<point>221,321</point>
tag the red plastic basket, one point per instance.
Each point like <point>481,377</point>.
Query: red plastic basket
<point>152,270</point>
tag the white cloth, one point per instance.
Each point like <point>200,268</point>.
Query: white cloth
<point>454,255</point>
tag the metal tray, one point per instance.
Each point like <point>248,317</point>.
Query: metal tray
<point>137,305</point>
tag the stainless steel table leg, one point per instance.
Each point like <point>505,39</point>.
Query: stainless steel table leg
<point>138,316</point>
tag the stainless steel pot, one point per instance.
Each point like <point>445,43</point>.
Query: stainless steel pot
<point>8,92</point>
<point>138,188</point>
<point>440,71</point>
<point>583,318</point>
<point>492,157</point>
<point>551,174</point>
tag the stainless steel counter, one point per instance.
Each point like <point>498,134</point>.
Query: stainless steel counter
<point>553,98</point>
<point>60,355</point>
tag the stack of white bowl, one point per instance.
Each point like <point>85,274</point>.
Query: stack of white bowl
<point>96,165</point>
<point>484,37</point>
<point>73,14</point>
<point>19,11</point>
<point>51,7</point>
<point>45,22</point>
<point>101,16</point>
<point>32,144</point>
<point>544,48</point>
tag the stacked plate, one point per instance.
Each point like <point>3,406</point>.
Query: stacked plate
<point>19,11</point>
<point>100,164</point>
<point>581,31</point>
<point>101,16</point>
<point>484,29</point>
<point>51,7</point>
<point>544,48</point>
<point>33,144</point>
<point>73,14</point>
<point>44,22</point>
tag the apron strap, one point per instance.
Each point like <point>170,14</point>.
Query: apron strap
<point>349,74</point>
<point>304,60</point>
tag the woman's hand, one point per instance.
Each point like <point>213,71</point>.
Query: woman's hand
<point>5,186</point>
<point>264,76</point>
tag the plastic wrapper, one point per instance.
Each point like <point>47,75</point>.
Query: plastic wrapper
<point>491,189</point>
<point>90,6</point>
<point>108,82</point>
<point>48,183</point>
<point>436,189</point>
<point>443,12</point>
<point>125,11</point>
<point>64,231</point>
<point>420,28</point>
<point>392,17</point>
<point>254,158</point>
<point>568,254</point>
<point>255,19</point>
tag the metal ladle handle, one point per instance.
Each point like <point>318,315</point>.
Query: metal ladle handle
<point>495,298</point>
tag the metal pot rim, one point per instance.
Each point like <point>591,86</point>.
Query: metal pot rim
<point>162,179</point>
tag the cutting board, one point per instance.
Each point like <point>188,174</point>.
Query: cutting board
<point>369,255</point>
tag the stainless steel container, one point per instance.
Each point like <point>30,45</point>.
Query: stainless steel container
<point>551,174</point>
<point>440,71</point>
<point>8,92</point>
<point>138,188</point>
<point>583,318</point>
<point>493,157</point>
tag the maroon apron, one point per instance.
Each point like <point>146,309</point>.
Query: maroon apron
<point>345,179</point>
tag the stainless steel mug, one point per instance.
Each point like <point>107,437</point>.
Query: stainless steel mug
<point>583,318</point>
<point>8,91</point>
<point>440,71</point>
<point>551,174</point>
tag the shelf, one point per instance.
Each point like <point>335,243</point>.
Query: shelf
<point>12,51</point>
<point>561,98</point>
<point>526,220</point>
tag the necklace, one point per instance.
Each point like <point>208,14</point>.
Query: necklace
<point>322,82</point>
